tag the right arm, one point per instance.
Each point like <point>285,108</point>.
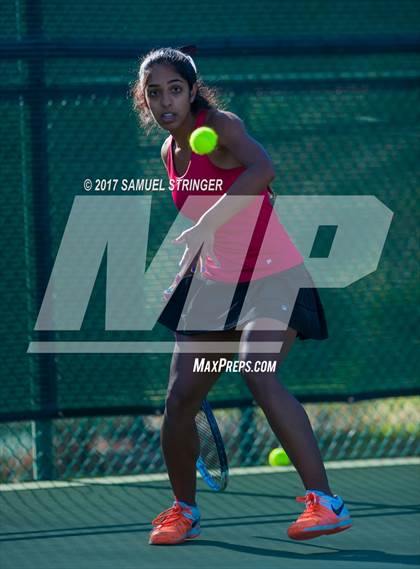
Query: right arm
<point>164,152</point>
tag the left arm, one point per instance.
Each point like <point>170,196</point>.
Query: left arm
<point>258,174</point>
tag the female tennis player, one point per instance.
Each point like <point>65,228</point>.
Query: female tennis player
<point>244,255</point>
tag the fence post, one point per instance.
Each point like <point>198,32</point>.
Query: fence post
<point>45,389</point>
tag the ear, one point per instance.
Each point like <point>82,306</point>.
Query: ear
<point>193,92</point>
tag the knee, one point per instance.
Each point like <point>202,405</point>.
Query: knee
<point>253,381</point>
<point>180,405</point>
<point>256,372</point>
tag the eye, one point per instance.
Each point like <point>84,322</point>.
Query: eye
<point>177,89</point>
<point>152,93</point>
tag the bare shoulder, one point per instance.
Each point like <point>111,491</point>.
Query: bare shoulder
<point>224,121</point>
<point>164,149</point>
<point>236,143</point>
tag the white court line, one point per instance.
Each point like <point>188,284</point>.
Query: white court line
<point>109,480</point>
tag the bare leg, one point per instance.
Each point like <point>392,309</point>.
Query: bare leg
<point>285,414</point>
<point>186,390</point>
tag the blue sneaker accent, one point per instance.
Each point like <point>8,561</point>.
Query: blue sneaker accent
<point>328,527</point>
<point>194,509</point>
<point>195,530</point>
<point>334,503</point>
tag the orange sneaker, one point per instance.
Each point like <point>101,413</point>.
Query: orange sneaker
<point>175,525</point>
<point>323,515</point>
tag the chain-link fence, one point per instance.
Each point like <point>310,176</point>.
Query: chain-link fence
<point>130,445</point>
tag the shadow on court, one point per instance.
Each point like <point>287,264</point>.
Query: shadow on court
<point>101,526</point>
<point>359,556</point>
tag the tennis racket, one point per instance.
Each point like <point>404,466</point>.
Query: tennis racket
<point>212,463</point>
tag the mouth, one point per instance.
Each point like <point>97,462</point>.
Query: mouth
<point>168,117</point>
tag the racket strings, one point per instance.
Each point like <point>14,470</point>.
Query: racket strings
<point>208,449</point>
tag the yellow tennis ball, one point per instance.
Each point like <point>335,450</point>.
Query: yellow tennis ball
<point>203,140</point>
<point>278,457</point>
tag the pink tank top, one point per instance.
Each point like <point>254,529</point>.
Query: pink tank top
<point>237,243</point>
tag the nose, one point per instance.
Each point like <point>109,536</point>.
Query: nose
<point>166,100</point>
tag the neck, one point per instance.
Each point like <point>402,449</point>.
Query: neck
<point>182,134</point>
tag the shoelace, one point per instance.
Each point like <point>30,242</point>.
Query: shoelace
<point>312,502</point>
<point>169,516</point>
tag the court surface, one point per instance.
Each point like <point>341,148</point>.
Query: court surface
<point>105,524</point>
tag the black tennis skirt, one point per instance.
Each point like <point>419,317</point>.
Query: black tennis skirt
<point>199,305</point>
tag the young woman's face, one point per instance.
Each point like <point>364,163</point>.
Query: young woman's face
<point>168,96</point>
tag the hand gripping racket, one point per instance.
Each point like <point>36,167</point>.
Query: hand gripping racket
<point>212,463</point>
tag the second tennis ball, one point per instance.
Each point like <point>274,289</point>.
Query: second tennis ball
<point>278,457</point>
<point>203,140</point>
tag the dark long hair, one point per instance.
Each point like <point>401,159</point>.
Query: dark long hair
<point>182,63</point>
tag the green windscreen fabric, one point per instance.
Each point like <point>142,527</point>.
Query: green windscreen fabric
<point>334,124</point>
